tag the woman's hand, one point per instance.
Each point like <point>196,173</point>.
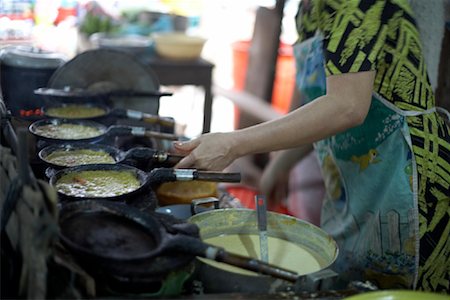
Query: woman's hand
<point>212,151</point>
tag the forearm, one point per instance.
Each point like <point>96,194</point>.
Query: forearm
<point>306,125</point>
<point>344,106</point>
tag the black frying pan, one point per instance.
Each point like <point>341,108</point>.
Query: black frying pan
<point>78,93</point>
<point>152,178</point>
<point>154,157</point>
<point>105,111</point>
<point>41,128</point>
<point>123,239</point>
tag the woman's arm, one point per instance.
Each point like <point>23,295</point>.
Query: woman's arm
<point>344,106</point>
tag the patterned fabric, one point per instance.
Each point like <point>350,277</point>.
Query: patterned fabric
<point>381,35</point>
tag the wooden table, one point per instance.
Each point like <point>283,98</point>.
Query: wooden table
<point>192,72</point>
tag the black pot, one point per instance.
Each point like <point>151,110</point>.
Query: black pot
<point>22,70</point>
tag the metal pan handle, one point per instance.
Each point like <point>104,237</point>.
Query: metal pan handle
<point>141,116</point>
<point>160,175</point>
<point>156,156</point>
<point>194,174</point>
<point>140,132</point>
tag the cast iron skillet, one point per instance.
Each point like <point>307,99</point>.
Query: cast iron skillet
<point>155,158</point>
<point>150,179</point>
<point>103,131</point>
<point>79,93</point>
<point>125,240</point>
<point>115,112</point>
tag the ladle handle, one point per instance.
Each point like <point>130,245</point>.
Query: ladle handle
<point>254,265</point>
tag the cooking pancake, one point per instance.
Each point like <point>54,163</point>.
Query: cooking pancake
<point>97,183</point>
<point>77,157</point>
<point>68,131</point>
<point>75,111</point>
<point>282,253</point>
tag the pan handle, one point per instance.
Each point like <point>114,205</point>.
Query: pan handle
<point>141,116</point>
<point>140,132</point>
<point>160,175</point>
<point>193,174</point>
<point>156,156</point>
<point>132,93</point>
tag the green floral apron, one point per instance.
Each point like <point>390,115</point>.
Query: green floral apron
<point>370,205</point>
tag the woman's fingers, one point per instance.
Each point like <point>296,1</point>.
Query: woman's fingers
<point>207,152</point>
<point>187,146</point>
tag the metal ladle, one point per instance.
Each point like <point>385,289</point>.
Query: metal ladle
<point>261,210</point>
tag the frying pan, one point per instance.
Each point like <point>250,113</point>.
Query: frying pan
<point>79,93</point>
<point>154,157</point>
<point>146,179</point>
<point>114,112</point>
<point>103,131</point>
<point>139,238</point>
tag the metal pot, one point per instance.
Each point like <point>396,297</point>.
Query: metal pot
<point>24,69</point>
<point>223,222</point>
<point>185,211</point>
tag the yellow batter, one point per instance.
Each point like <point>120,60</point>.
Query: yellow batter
<point>78,157</point>
<point>97,183</point>
<point>68,131</point>
<point>75,112</point>
<point>282,253</point>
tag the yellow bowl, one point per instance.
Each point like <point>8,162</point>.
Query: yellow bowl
<point>176,45</point>
<point>183,192</point>
<point>399,295</point>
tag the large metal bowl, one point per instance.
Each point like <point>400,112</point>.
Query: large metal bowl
<point>222,222</point>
